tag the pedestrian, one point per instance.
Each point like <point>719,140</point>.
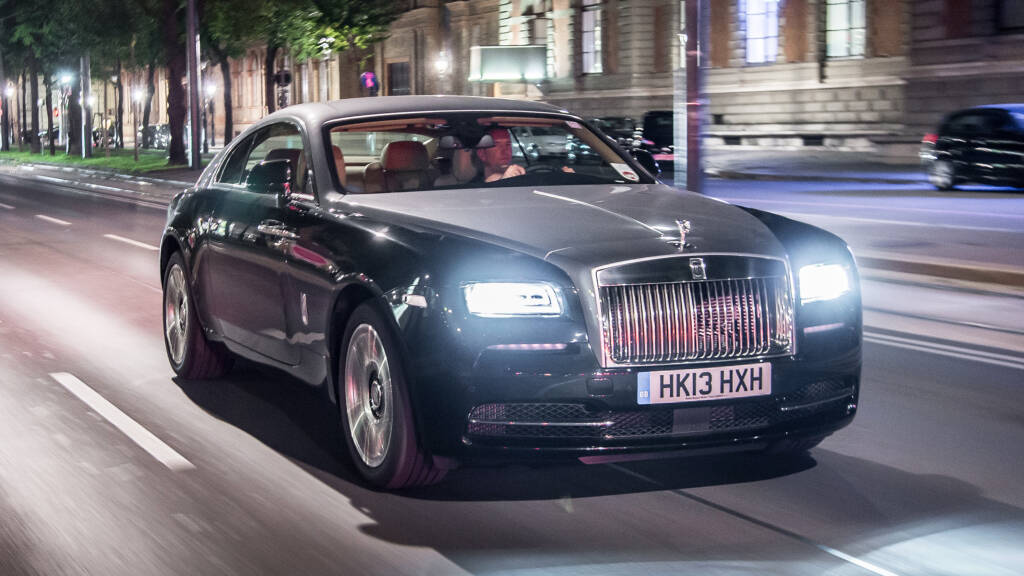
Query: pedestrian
<point>369,82</point>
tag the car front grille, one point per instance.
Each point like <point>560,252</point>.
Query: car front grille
<point>575,421</point>
<point>696,320</point>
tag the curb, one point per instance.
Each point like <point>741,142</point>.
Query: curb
<point>994,274</point>
<point>739,175</point>
<point>109,174</point>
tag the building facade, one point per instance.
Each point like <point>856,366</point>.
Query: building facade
<point>845,74</point>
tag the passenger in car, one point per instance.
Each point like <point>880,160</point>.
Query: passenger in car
<point>463,169</point>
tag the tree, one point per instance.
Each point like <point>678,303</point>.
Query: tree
<point>315,28</point>
<point>227,28</point>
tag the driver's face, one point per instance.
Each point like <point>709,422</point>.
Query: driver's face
<point>501,154</point>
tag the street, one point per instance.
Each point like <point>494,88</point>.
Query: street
<point>109,465</point>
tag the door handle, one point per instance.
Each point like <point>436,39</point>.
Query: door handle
<point>278,229</point>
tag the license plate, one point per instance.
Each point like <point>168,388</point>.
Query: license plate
<point>699,384</point>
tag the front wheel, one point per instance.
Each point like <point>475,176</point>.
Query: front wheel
<point>942,175</point>
<point>376,410</point>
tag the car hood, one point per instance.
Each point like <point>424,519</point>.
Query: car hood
<point>578,227</point>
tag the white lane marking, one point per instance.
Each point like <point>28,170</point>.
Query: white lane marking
<point>764,524</point>
<point>958,352</point>
<point>6,206</point>
<point>74,183</point>
<point>53,220</point>
<point>132,242</point>
<point>132,429</point>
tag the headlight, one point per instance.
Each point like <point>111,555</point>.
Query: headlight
<point>823,282</point>
<point>499,299</point>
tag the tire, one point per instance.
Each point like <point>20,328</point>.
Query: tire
<point>191,355</point>
<point>942,175</point>
<point>376,411</point>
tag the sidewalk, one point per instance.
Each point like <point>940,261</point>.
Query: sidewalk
<point>745,163</point>
<point>876,259</point>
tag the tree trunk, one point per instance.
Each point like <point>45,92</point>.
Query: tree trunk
<point>5,104</point>
<point>34,94</point>
<point>119,118</point>
<point>48,82</point>
<point>23,112</point>
<point>74,120</point>
<point>268,74</point>
<point>147,138</point>
<point>229,125</point>
<point>175,51</point>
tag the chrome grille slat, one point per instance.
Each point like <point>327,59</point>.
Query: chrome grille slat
<point>661,322</point>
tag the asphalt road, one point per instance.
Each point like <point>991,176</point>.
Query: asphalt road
<point>108,465</point>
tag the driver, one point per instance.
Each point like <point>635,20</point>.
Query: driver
<point>497,160</point>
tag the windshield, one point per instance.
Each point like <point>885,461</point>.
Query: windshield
<point>465,150</point>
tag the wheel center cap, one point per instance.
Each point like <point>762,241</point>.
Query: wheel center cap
<point>376,397</point>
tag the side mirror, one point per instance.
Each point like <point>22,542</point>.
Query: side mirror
<point>646,159</point>
<point>271,177</point>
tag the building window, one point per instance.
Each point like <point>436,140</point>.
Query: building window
<point>762,18</point>
<point>844,28</point>
<point>591,36</point>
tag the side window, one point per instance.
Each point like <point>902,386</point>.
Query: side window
<point>966,124</point>
<point>281,141</point>
<point>231,171</point>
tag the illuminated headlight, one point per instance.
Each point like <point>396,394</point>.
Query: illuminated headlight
<point>823,282</point>
<point>499,299</point>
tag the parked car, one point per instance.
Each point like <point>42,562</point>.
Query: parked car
<point>155,136</point>
<point>555,311</point>
<point>658,137</point>
<point>984,144</point>
<point>616,127</point>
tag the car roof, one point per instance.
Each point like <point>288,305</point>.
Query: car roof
<point>1007,107</point>
<point>314,113</point>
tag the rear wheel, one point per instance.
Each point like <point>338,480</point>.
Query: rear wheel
<point>191,355</point>
<point>376,411</point>
<point>942,175</point>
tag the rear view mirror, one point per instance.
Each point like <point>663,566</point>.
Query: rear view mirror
<point>270,177</point>
<point>449,142</point>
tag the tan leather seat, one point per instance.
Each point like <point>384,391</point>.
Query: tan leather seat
<point>339,165</point>
<point>404,165</point>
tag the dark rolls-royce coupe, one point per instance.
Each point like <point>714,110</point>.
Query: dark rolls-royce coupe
<point>460,299</point>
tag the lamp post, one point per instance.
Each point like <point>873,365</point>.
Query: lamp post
<point>8,93</point>
<point>65,97</point>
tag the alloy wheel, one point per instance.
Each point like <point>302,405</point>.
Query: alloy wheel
<point>176,314</point>
<point>369,395</point>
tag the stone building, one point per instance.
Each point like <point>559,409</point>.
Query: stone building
<point>847,74</point>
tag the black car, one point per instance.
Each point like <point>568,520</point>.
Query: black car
<point>616,127</point>
<point>983,144</point>
<point>457,302</point>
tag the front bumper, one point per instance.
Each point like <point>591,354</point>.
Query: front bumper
<point>477,399</point>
